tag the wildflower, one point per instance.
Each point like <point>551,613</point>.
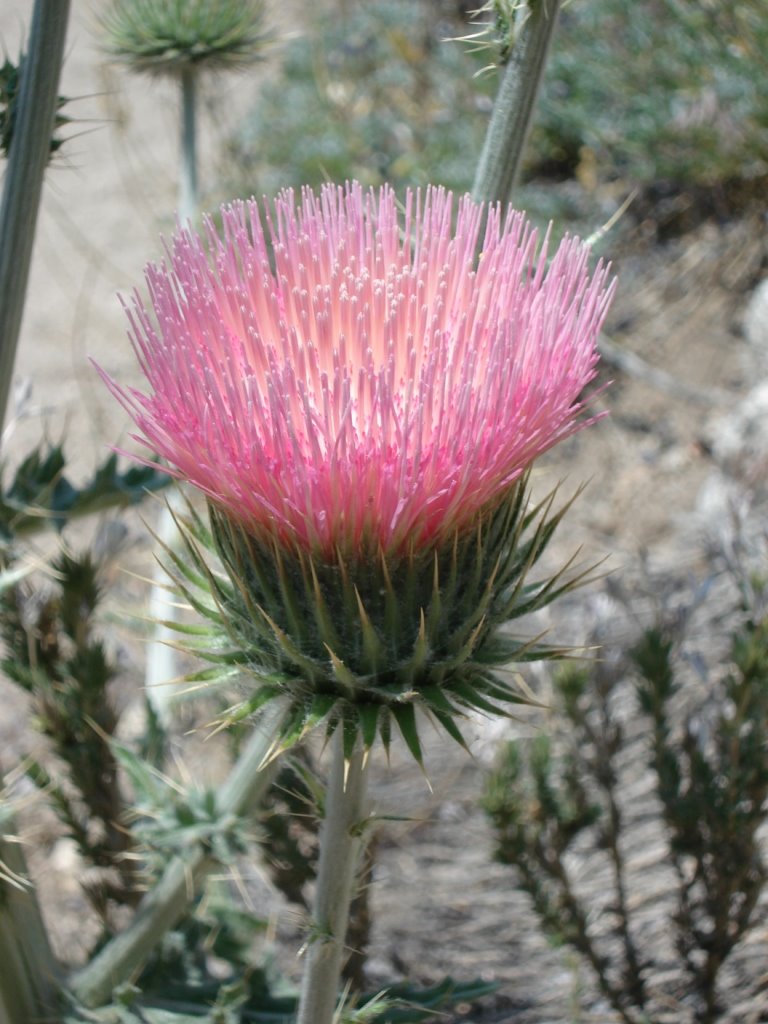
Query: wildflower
<point>360,396</point>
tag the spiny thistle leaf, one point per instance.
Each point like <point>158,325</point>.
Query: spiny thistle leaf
<point>10,83</point>
<point>499,24</point>
<point>192,1000</point>
<point>40,493</point>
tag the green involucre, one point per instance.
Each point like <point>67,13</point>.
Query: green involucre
<point>363,643</point>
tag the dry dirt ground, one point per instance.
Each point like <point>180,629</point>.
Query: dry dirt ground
<point>441,906</point>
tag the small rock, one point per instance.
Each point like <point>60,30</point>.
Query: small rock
<point>741,436</point>
<point>755,325</point>
<point>66,863</point>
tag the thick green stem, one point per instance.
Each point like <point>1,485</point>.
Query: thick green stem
<point>27,160</point>
<point>499,165</point>
<point>188,192</point>
<point>341,842</point>
<point>28,970</point>
<point>164,905</point>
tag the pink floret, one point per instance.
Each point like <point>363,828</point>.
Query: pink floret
<point>344,377</point>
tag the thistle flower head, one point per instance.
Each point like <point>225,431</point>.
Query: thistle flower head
<point>165,37</point>
<point>360,395</point>
<point>353,380</point>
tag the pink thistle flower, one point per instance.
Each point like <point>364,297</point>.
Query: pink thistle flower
<point>344,379</point>
<point>360,396</point>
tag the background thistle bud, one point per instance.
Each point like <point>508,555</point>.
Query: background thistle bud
<point>165,37</point>
<point>360,398</point>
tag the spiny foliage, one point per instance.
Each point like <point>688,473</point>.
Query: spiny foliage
<point>544,797</point>
<point>364,645</point>
<point>713,793</point>
<point>182,990</point>
<point>52,651</point>
<point>40,494</point>
<point>712,785</point>
<point>497,23</point>
<point>10,83</point>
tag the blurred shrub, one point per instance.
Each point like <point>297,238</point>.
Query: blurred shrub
<point>550,800</point>
<point>666,89</point>
<point>377,95</point>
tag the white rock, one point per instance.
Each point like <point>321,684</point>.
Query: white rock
<point>755,325</point>
<point>65,864</point>
<point>741,436</point>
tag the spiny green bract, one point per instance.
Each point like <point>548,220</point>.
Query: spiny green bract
<point>367,643</point>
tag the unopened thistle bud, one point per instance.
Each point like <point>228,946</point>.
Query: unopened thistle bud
<point>167,37</point>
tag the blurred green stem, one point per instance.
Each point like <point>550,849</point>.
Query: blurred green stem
<point>341,842</point>
<point>501,156</point>
<point>164,905</point>
<point>27,160</point>
<point>28,970</point>
<point>188,191</point>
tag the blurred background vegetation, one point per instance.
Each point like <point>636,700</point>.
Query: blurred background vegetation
<point>666,97</point>
<point>663,97</point>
